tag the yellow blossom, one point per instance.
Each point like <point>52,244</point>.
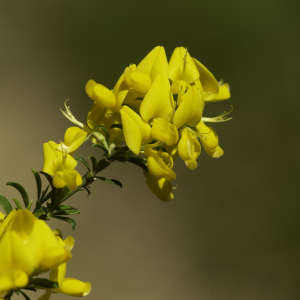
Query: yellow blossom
<point>160,164</point>
<point>164,131</point>
<point>160,187</point>
<point>209,140</point>
<point>136,131</point>
<point>224,93</point>
<point>189,149</point>
<point>60,165</point>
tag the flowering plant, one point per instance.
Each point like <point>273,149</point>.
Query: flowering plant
<point>153,115</point>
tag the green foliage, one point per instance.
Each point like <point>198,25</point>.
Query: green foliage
<point>5,204</point>
<point>38,183</point>
<point>141,162</point>
<point>18,205</point>
<point>101,147</point>
<point>21,190</point>
<point>68,220</point>
<point>44,283</point>
<point>84,162</point>
<point>109,180</point>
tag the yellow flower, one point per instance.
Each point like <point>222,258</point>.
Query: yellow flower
<point>160,187</point>
<point>224,93</point>
<point>60,165</point>
<point>69,286</point>
<point>209,140</point>
<point>27,247</point>
<point>160,164</point>
<point>164,131</point>
<point>189,149</point>
<point>135,130</point>
<point>111,99</point>
<point>190,110</point>
<point>2,216</point>
<point>74,137</point>
<point>158,102</point>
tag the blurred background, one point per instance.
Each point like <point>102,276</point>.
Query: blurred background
<point>232,230</point>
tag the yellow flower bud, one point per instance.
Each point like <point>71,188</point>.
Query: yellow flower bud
<point>209,140</point>
<point>135,130</point>
<point>164,131</point>
<point>160,164</point>
<point>189,149</point>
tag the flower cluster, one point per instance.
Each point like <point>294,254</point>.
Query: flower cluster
<point>28,247</point>
<point>157,108</point>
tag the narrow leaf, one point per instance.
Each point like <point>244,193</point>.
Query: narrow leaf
<point>48,176</point>
<point>66,212</point>
<point>39,212</point>
<point>60,196</point>
<point>45,283</point>
<point>84,162</point>
<point>101,146</point>
<point>21,190</point>
<point>63,207</point>
<point>119,126</point>
<point>38,183</point>
<point>29,205</point>
<point>66,219</point>
<point>29,288</point>
<point>94,161</point>
<point>5,204</point>
<point>142,163</point>
<point>24,295</point>
<point>19,206</point>
<point>106,133</point>
<point>109,180</point>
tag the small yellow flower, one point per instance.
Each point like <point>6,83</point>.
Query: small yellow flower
<point>224,93</point>
<point>135,130</point>
<point>160,187</point>
<point>209,140</point>
<point>164,131</point>
<point>160,164</point>
<point>189,149</point>
<point>60,165</point>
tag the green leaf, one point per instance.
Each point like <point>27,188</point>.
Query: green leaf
<point>24,295</point>
<point>45,283</point>
<point>84,162</point>
<point>39,212</point>
<point>29,288</point>
<point>48,196</point>
<point>5,204</point>
<point>49,177</point>
<point>38,183</point>
<point>106,133</point>
<point>29,205</point>
<point>66,212</point>
<point>109,180</point>
<point>19,206</point>
<point>94,161</point>
<point>63,207</point>
<point>21,190</point>
<point>101,146</point>
<point>116,126</point>
<point>66,219</point>
<point>142,163</point>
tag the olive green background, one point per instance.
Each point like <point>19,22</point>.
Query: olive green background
<point>232,231</point>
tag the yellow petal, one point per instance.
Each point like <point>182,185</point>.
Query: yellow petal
<point>104,96</point>
<point>135,130</point>
<point>172,150</point>
<point>158,102</point>
<point>160,187</point>
<point>208,81</point>
<point>155,63</point>
<point>157,164</point>
<point>176,66</point>
<point>89,89</point>
<point>164,131</point>
<point>190,110</point>
<point>71,178</point>
<point>189,149</point>
<point>94,116</point>
<point>209,140</point>
<point>74,137</point>
<point>58,274</point>
<point>2,216</point>
<point>224,93</point>
<point>127,74</point>
<point>140,82</point>
<point>120,91</point>
<point>75,288</point>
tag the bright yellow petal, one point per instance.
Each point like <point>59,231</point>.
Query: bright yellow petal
<point>135,130</point>
<point>208,81</point>
<point>94,116</point>
<point>224,93</point>
<point>189,149</point>
<point>155,63</point>
<point>158,102</point>
<point>164,131</point>
<point>104,96</point>
<point>58,274</point>
<point>74,287</point>
<point>140,82</point>
<point>176,66</point>
<point>190,110</point>
<point>89,89</point>
<point>71,177</point>
<point>120,91</point>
